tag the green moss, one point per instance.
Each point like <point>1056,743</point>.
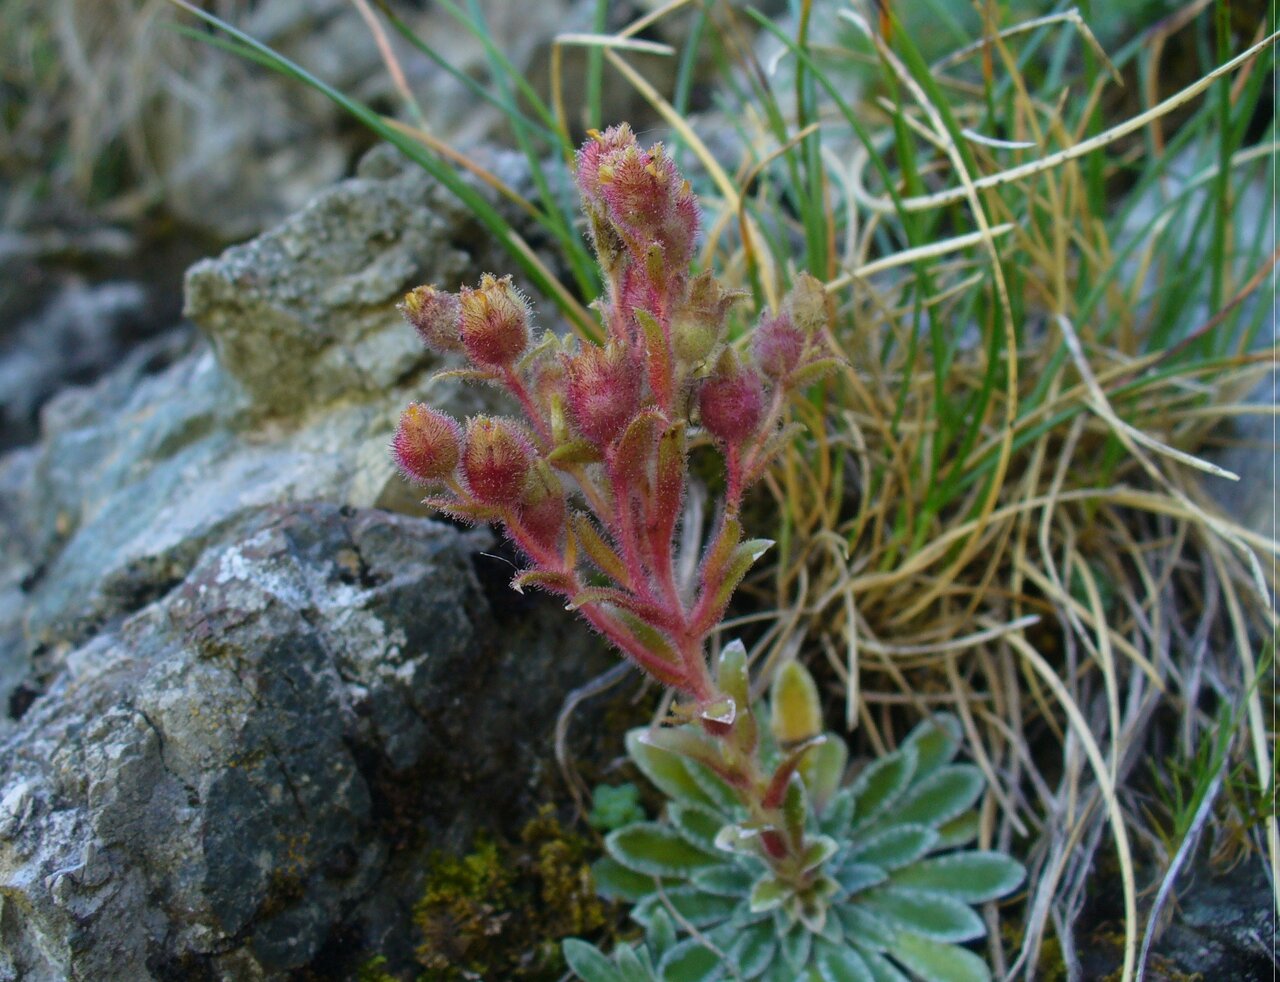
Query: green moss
<point>500,911</point>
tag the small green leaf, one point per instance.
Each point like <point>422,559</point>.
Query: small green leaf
<point>768,893</point>
<point>657,850</point>
<point>856,877</point>
<point>753,950</point>
<point>866,929</point>
<point>630,966</point>
<point>840,964</point>
<point>731,673</point>
<point>796,945</point>
<point>818,852</point>
<point>938,962</point>
<point>698,826</point>
<point>661,933</point>
<point>666,770</point>
<point>613,807</point>
<point>839,815</point>
<point>971,877</point>
<point>615,882</point>
<point>715,790</point>
<point>598,551</point>
<point>877,787</point>
<point>588,963</point>
<point>882,970</point>
<point>822,768</point>
<point>573,453</point>
<point>930,915</point>
<point>940,797</point>
<point>728,880</point>
<point>937,741</point>
<point>895,847</point>
<point>689,903</point>
<point>960,831</point>
<point>691,961</point>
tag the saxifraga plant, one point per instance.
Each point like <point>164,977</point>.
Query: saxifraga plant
<point>589,487</point>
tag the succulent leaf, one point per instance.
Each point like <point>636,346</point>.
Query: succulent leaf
<point>934,961</point>
<point>698,826</point>
<point>972,877</point>
<point>930,915</point>
<point>729,880</point>
<point>881,783</point>
<point>666,770</point>
<point>896,847</point>
<point>691,961</point>
<point>657,850</point>
<point>940,797</point>
<point>589,963</point>
<point>840,964</point>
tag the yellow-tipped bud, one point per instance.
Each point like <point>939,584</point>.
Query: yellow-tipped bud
<point>796,709</point>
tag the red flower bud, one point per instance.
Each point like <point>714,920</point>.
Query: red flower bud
<point>494,322</point>
<point>604,391</point>
<point>426,445</point>
<point>599,148</point>
<point>650,202</point>
<point>778,345</point>
<point>496,460</point>
<point>542,506</point>
<point>732,402</point>
<point>435,316</point>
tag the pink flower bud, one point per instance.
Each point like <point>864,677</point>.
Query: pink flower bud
<point>598,149</point>
<point>604,391</point>
<point>778,345</point>
<point>650,202</point>
<point>542,505</point>
<point>496,460</point>
<point>435,315</point>
<point>494,322</point>
<point>732,402</point>
<point>426,445</point>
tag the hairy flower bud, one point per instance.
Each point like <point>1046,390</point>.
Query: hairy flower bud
<point>731,401</point>
<point>796,713</point>
<point>494,322</point>
<point>808,303</point>
<point>604,391</point>
<point>435,315</point>
<point>426,445</point>
<point>542,505</point>
<point>778,345</point>
<point>699,324</point>
<point>496,460</point>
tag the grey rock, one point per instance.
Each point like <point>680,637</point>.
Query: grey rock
<point>267,752</point>
<point>250,687</point>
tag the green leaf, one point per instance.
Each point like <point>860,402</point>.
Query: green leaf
<point>839,815</point>
<point>930,915</point>
<point>895,847</point>
<point>688,902</point>
<point>754,949</point>
<point>856,877</point>
<point>866,929</point>
<point>727,880</point>
<point>574,452</point>
<point>882,970</point>
<point>697,825</point>
<point>660,935</point>
<point>615,882</point>
<point>972,877</point>
<point>720,794</point>
<point>691,961</point>
<point>938,962</point>
<point>877,787</point>
<point>960,831</point>
<point>937,741</point>
<point>940,797</point>
<point>657,850</point>
<point>598,551</point>
<point>840,964</point>
<point>768,893</point>
<point>666,770</point>
<point>588,963</point>
<point>822,768</point>
<point>630,966</point>
<point>549,580</point>
<point>796,945</point>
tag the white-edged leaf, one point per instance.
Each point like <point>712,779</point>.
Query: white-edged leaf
<point>940,797</point>
<point>972,877</point>
<point>795,946</point>
<point>940,962</point>
<point>666,770</point>
<point>717,794</point>
<point>895,847</point>
<point>753,950</point>
<point>856,877</point>
<point>937,741</point>
<point>882,783</point>
<point>697,825</point>
<point>960,831</point>
<point>865,929</point>
<point>838,817</point>
<point>588,963</point>
<point>660,934</point>
<point>929,915</point>
<point>689,903</point>
<point>656,850</point>
<point>691,961</point>
<point>630,966</point>
<point>840,964</point>
<point>726,880</point>
<point>615,882</point>
<point>882,970</point>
